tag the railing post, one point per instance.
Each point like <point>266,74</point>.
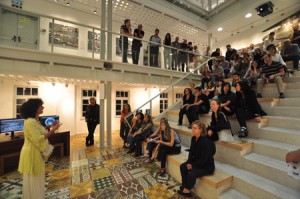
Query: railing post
<point>173,98</point>
<point>149,54</point>
<point>151,111</point>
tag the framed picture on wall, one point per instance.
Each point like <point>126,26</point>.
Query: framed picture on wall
<point>63,36</point>
<point>96,37</point>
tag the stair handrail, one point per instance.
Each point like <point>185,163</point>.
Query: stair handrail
<point>173,84</point>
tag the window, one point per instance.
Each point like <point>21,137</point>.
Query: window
<point>86,94</point>
<point>122,97</point>
<point>163,102</point>
<point>22,95</point>
<point>178,96</point>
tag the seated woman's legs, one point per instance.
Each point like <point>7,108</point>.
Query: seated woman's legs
<point>164,151</point>
<point>243,115</point>
<point>138,145</point>
<point>192,114</point>
<point>152,146</point>
<point>181,113</point>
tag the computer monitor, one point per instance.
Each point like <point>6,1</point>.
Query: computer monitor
<point>48,120</point>
<point>11,125</point>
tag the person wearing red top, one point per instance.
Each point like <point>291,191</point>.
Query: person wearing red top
<point>124,129</point>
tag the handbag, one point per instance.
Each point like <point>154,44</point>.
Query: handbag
<point>47,152</point>
<point>225,135</point>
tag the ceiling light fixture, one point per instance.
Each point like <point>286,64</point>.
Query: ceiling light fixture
<point>248,15</point>
<point>95,11</point>
<point>68,4</point>
<point>220,29</point>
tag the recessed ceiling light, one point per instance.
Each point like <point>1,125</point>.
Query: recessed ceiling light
<point>220,29</point>
<point>68,4</point>
<point>95,11</point>
<point>248,15</point>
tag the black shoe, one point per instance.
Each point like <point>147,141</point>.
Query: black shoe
<point>243,133</point>
<point>91,142</point>
<point>281,95</point>
<point>86,142</point>
<point>258,95</point>
<point>184,194</point>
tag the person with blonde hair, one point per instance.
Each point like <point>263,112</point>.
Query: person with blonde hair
<point>200,160</point>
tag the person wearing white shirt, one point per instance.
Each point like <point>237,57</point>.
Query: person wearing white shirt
<point>269,41</point>
<point>275,56</point>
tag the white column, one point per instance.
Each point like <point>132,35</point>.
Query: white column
<point>103,26</point>
<point>108,112</point>
<point>109,28</point>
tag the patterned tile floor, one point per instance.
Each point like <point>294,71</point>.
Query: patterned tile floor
<point>93,172</point>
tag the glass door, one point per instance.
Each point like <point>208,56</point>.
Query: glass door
<point>8,28</point>
<point>18,30</point>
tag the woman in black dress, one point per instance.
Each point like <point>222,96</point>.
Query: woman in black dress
<point>187,99</point>
<point>200,160</point>
<point>247,106</point>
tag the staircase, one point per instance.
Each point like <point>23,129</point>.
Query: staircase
<point>253,167</point>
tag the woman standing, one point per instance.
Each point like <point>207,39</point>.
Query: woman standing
<point>31,163</point>
<point>200,160</point>
<point>167,51</point>
<point>169,143</point>
<point>219,128</point>
<point>124,129</point>
<point>247,106</point>
<point>188,98</point>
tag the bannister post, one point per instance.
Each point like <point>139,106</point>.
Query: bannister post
<point>173,98</point>
<point>149,54</point>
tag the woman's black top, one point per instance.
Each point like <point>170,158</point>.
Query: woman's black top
<point>230,96</point>
<point>205,103</point>
<point>201,155</point>
<point>249,102</point>
<point>191,99</point>
<point>218,124</point>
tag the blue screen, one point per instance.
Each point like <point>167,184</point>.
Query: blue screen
<point>9,125</point>
<point>48,120</point>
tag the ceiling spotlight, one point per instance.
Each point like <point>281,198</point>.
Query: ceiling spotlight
<point>95,11</point>
<point>68,4</point>
<point>248,15</point>
<point>220,29</point>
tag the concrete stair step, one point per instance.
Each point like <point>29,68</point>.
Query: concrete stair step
<point>205,187</point>
<point>293,85</point>
<point>255,186</point>
<point>271,169</point>
<point>293,79</point>
<point>284,122</point>
<point>233,194</point>
<point>293,102</point>
<point>285,111</point>
<point>283,135</point>
<point>292,93</point>
<point>271,149</point>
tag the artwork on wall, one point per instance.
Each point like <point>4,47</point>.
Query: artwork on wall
<point>96,37</point>
<point>118,47</point>
<point>17,3</point>
<point>64,36</point>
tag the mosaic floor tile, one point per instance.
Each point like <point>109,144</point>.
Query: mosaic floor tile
<point>132,165</point>
<point>64,173</point>
<point>108,193</point>
<point>139,172</point>
<point>87,196</point>
<point>147,181</point>
<point>95,160</point>
<point>137,195</point>
<point>100,173</point>
<point>78,163</point>
<point>152,168</point>
<point>118,168</point>
<point>58,194</point>
<point>161,179</point>
<point>12,175</point>
<point>80,174</point>
<point>93,154</point>
<point>49,169</point>
<point>11,189</point>
<point>59,166</point>
<point>158,192</point>
<point>122,177</point>
<point>112,162</point>
<point>103,183</point>
<point>81,189</point>
<point>97,165</point>
<point>129,188</point>
<point>57,184</point>
<point>127,158</point>
<point>172,185</point>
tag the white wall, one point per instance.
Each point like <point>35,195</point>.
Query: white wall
<point>7,99</point>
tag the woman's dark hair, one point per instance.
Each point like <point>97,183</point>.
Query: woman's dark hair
<point>234,56</point>
<point>245,85</point>
<point>168,39</point>
<point>29,109</point>
<point>223,85</point>
<point>141,114</point>
<point>190,91</point>
<point>199,88</point>
<point>211,83</point>
<point>126,20</point>
<point>257,62</point>
<point>167,133</point>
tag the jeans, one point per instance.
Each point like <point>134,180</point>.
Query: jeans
<point>91,128</point>
<point>124,132</point>
<point>135,55</point>
<point>154,55</point>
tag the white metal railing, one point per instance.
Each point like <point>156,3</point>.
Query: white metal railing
<point>168,88</point>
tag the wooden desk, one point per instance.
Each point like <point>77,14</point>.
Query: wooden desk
<point>10,149</point>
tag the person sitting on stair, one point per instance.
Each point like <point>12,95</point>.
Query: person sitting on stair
<point>188,98</point>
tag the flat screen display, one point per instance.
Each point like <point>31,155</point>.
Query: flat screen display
<point>11,125</point>
<point>48,120</point>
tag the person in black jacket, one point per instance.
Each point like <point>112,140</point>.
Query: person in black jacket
<point>92,120</point>
<point>219,128</point>
<point>188,98</point>
<point>247,106</point>
<point>200,160</point>
<point>227,99</point>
